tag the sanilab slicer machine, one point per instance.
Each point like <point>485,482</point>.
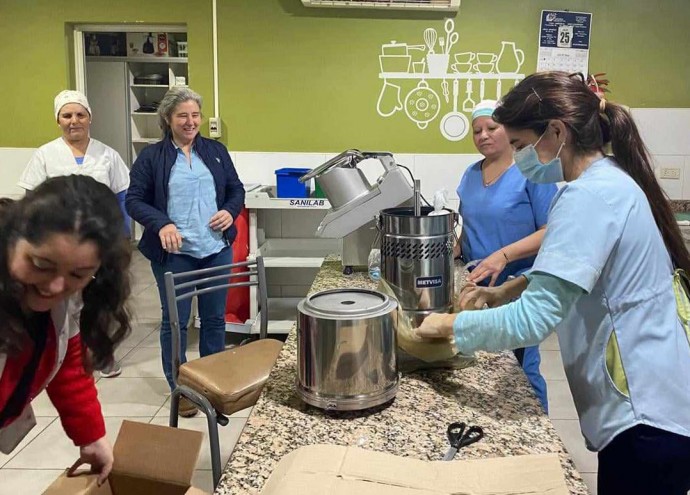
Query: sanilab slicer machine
<point>355,203</point>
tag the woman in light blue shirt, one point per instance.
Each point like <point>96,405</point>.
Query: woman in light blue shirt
<point>604,280</point>
<point>186,193</point>
<point>503,220</point>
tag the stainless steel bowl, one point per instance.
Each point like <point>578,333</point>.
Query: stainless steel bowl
<point>346,349</point>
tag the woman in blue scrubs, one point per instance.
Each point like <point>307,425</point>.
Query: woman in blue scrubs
<point>604,280</point>
<point>504,217</point>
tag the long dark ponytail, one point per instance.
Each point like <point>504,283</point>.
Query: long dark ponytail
<point>544,96</point>
<point>81,206</point>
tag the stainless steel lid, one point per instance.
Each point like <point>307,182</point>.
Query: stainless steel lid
<point>347,304</point>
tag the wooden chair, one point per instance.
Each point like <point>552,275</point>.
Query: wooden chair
<point>229,381</point>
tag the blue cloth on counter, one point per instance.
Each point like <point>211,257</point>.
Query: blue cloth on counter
<point>192,203</point>
<point>524,322</point>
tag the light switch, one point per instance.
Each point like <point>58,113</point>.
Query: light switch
<point>669,173</point>
<point>214,127</point>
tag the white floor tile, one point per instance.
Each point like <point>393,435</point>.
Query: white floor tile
<point>145,362</point>
<point>228,437</point>
<point>569,431</point>
<point>124,396</point>
<point>590,481</point>
<point>140,331</point>
<point>41,424</point>
<point>52,449</point>
<point>552,365</point>
<point>551,343</point>
<point>203,480</point>
<point>561,405</point>
<point>43,407</point>
<point>26,481</point>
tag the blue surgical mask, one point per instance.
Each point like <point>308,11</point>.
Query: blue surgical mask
<point>534,170</point>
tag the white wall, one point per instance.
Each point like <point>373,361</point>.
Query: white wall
<point>12,163</point>
<point>666,131</point>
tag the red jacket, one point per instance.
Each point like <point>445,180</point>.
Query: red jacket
<point>71,390</point>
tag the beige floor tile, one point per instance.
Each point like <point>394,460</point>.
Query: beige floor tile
<point>561,405</point>
<point>41,424</point>
<point>145,362</point>
<point>43,407</point>
<point>153,340</point>
<point>551,343</point>
<point>591,482</point>
<point>26,481</point>
<point>228,437</point>
<point>203,480</point>
<point>569,431</point>
<point>52,449</point>
<point>140,331</point>
<point>124,396</point>
<point>552,365</point>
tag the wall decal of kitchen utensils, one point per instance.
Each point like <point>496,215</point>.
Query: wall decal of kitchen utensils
<point>433,62</point>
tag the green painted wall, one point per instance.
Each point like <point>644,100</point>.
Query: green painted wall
<point>298,79</point>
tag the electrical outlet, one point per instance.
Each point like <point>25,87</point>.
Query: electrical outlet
<point>214,127</point>
<point>669,173</point>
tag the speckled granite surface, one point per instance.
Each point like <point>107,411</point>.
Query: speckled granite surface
<point>680,205</point>
<point>494,394</point>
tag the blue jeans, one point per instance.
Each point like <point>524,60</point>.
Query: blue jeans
<point>211,307</point>
<point>530,359</point>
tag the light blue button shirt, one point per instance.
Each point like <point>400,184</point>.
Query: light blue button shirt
<point>191,204</point>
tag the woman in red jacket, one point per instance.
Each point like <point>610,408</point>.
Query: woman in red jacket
<point>64,281</point>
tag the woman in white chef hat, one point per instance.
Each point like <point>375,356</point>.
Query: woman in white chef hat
<point>77,153</point>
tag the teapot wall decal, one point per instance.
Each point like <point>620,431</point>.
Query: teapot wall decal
<point>510,58</point>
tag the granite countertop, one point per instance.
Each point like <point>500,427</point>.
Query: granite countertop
<point>493,394</point>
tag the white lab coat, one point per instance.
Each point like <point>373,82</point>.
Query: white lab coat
<point>55,159</point>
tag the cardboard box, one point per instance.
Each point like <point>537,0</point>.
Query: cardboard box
<point>148,459</point>
<point>148,45</point>
<point>338,470</point>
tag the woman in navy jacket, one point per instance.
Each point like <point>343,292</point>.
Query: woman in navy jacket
<point>186,193</point>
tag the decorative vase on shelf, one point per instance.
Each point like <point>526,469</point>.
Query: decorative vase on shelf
<point>510,58</point>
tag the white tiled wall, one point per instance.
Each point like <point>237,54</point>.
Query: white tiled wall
<point>666,132</point>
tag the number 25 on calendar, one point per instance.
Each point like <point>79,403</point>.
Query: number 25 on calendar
<point>565,36</point>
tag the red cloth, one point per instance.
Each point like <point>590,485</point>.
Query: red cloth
<point>72,391</point>
<point>237,301</point>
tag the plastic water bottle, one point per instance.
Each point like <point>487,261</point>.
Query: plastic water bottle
<point>375,265</point>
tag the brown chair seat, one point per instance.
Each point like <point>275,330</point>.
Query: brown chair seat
<point>232,380</point>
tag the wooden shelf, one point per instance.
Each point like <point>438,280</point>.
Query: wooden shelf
<point>154,60</point>
<point>454,75</point>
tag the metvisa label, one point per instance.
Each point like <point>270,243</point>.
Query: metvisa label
<point>428,282</point>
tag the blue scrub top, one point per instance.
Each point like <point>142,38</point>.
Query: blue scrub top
<point>500,214</point>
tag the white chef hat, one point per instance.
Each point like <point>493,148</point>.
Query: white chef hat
<point>70,96</point>
<point>484,108</point>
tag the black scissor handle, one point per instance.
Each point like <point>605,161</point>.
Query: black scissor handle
<point>460,435</point>
<point>472,435</point>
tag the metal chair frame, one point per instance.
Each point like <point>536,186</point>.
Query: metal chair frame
<point>172,286</point>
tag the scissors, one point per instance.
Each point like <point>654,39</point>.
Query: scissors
<point>458,438</point>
